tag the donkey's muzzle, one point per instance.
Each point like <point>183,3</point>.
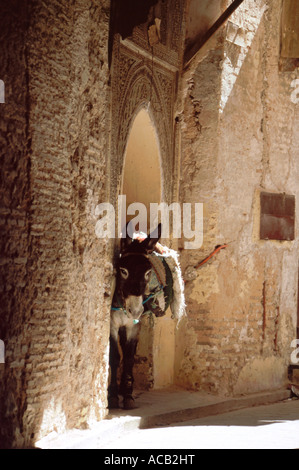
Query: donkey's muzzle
<point>134,306</point>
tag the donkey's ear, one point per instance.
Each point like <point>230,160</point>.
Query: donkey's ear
<point>127,240</point>
<point>150,242</point>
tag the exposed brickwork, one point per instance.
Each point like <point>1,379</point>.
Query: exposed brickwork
<point>56,273</point>
<point>15,196</point>
<point>242,304</point>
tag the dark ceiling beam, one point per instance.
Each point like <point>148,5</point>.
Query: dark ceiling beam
<point>201,41</point>
<point>124,16</point>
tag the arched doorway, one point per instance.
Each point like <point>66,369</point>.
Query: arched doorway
<point>142,182</point>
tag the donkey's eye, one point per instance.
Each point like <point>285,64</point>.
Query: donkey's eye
<point>147,275</point>
<point>124,273</point>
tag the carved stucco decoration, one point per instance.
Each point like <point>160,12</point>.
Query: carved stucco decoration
<point>171,14</point>
<point>145,76</point>
<point>140,82</point>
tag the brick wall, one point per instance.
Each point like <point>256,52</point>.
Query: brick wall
<point>56,273</point>
<point>15,285</point>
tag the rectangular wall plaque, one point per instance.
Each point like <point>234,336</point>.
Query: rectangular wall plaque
<point>277,216</point>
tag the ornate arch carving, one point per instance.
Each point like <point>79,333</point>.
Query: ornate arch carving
<point>139,81</point>
<point>143,90</point>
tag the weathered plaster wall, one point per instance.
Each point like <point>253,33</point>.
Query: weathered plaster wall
<point>240,136</point>
<point>56,273</point>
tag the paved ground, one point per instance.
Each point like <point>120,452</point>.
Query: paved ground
<point>192,420</point>
<point>263,427</point>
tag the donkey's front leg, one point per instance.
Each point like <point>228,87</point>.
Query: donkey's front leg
<point>128,341</point>
<point>114,359</point>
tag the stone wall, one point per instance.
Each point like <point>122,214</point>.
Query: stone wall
<point>55,273</point>
<point>15,285</point>
<point>240,137</point>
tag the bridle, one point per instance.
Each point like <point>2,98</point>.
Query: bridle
<point>150,296</point>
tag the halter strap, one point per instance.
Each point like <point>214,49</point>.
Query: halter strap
<point>134,254</point>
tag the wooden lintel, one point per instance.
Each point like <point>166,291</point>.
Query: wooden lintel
<point>201,41</point>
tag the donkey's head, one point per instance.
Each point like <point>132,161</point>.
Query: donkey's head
<point>134,270</point>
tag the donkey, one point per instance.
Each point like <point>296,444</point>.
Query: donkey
<point>131,294</point>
